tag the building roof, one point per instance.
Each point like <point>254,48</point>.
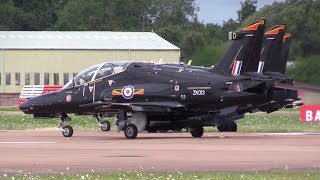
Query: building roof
<point>83,40</point>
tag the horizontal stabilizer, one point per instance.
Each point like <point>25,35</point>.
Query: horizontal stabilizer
<point>299,86</point>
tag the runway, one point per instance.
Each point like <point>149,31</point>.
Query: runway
<point>45,152</point>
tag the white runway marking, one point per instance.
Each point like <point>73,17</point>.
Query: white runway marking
<point>287,134</point>
<point>28,142</point>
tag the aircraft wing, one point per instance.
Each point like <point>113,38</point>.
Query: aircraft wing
<point>165,106</point>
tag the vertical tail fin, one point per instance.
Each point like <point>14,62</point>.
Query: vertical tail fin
<point>246,45</point>
<point>285,52</point>
<point>270,56</point>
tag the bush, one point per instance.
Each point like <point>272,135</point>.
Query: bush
<point>306,69</point>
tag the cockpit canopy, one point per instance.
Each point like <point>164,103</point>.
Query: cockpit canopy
<point>97,72</point>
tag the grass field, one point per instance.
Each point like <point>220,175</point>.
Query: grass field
<point>174,176</point>
<point>283,121</point>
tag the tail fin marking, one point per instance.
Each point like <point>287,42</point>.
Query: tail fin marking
<point>260,67</point>
<point>236,69</point>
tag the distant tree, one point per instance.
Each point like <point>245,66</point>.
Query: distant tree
<point>125,15</point>
<point>248,7</point>
<point>168,12</point>
<point>306,69</point>
<point>28,15</point>
<point>188,37</point>
<point>81,15</point>
<point>301,18</point>
<point>230,25</point>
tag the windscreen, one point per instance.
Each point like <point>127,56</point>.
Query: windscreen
<point>111,68</point>
<point>100,71</point>
<point>86,75</point>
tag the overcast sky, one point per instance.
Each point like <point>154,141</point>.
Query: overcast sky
<point>216,11</point>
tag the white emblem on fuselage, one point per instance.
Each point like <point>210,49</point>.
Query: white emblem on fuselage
<point>176,88</point>
<point>90,88</point>
<point>110,82</point>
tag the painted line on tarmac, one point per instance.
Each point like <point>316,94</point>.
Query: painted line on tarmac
<point>28,142</point>
<point>287,134</point>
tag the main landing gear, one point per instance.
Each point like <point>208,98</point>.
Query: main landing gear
<point>197,132</point>
<point>131,131</point>
<point>227,126</point>
<point>67,130</point>
<point>131,126</point>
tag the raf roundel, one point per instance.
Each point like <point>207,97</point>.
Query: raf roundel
<point>127,92</point>
<point>68,98</point>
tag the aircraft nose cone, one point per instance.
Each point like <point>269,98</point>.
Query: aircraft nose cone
<point>24,106</point>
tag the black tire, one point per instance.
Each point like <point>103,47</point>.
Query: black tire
<point>106,126</point>
<point>197,132</point>
<point>163,131</point>
<point>222,127</point>
<point>131,131</point>
<point>233,127</point>
<point>68,131</point>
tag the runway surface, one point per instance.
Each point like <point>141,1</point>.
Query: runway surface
<point>45,152</point>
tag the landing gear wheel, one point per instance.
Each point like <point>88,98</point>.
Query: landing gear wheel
<point>67,131</point>
<point>197,132</point>
<point>131,131</point>
<point>233,127</point>
<point>222,127</point>
<point>228,126</point>
<point>105,126</point>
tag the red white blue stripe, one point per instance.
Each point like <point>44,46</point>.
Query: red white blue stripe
<point>260,67</point>
<point>236,69</point>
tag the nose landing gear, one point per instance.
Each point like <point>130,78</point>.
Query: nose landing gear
<point>104,124</point>
<point>67,130</point>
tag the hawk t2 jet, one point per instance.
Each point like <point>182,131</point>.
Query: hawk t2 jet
<point>139,93</point>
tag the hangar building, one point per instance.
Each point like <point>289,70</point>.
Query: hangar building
<point>54,57</point>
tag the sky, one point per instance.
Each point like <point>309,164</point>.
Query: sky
<point>217,11</point>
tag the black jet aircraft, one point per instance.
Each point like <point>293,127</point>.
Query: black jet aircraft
<point>269,64</point>
<point>140,93</point>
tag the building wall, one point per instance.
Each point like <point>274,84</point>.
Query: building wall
<point>20,62</point>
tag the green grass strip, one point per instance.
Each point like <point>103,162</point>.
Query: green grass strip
<point>172,176</point>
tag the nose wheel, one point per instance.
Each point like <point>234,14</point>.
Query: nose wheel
<point>104,124</point>
<point>67,130</point>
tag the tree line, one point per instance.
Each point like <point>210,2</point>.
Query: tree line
<point>175,21</point>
